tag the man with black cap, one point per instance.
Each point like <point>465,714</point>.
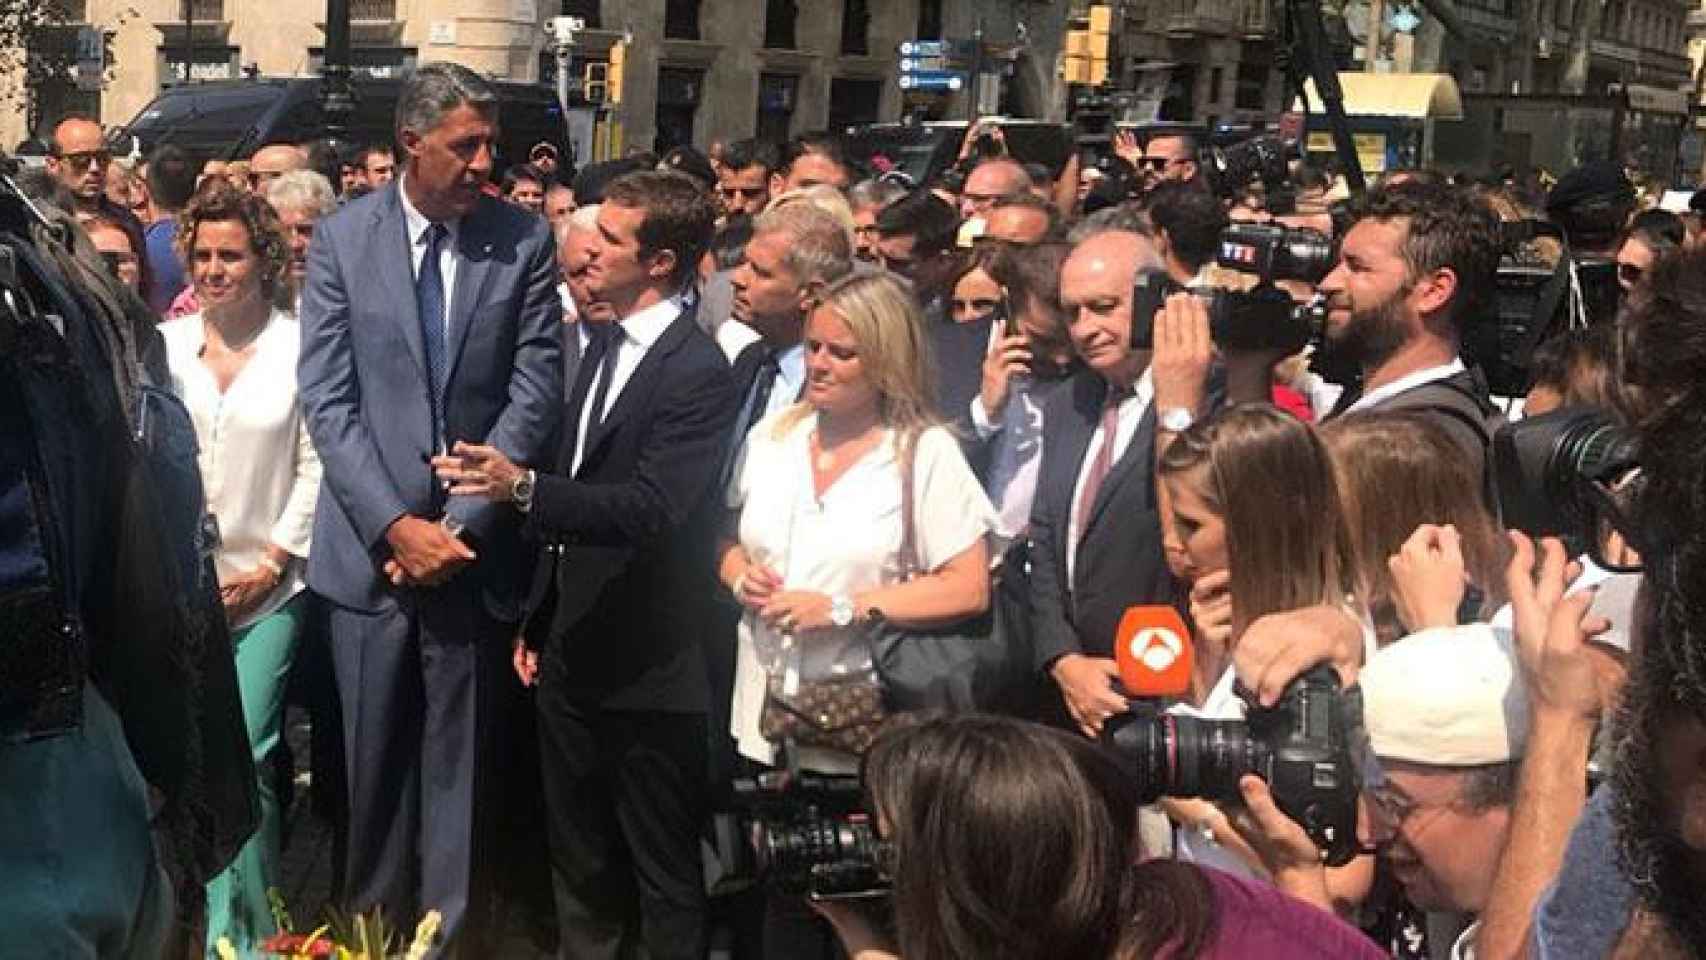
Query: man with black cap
<point>1592,204</point>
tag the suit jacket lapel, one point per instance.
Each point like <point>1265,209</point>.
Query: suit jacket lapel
<point>395,272</point>
<point>571,422</point>
<point>475,248</point>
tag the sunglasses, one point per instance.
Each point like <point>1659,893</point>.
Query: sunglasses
<point>1629,273</point>
<point>1157,163</point>
<point>750,193</point>
<point>82,159</point>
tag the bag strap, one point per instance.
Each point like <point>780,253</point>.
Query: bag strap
<point>910,563</point>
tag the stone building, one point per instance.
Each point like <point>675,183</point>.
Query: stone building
<point>696,70</point>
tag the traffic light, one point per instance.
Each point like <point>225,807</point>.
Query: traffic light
<point>613,79</point>
<point>595,83</point>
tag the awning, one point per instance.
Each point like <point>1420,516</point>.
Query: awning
<point>1416,96</point>
<point>1655,99</point>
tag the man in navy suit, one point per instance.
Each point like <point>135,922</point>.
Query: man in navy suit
<point>622,595</point>
<point>429,316</point>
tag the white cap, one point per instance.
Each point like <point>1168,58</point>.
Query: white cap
<point>1451,696</point>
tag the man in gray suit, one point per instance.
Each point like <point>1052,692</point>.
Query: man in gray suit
<point>429,315</point>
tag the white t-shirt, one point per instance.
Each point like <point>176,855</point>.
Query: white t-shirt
<point>844,543</point>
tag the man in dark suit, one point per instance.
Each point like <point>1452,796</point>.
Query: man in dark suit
<point>621,595</point>
<point>1095,522</point>
<point>429,316</point>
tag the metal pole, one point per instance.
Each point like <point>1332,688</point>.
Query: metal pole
<point>337,103</point>
<point>1371,49</point>
<point>972,111</point>
<point>189,39</point>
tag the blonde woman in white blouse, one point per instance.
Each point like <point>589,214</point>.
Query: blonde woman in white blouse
<point>816,550</point>
<point>234,365</point>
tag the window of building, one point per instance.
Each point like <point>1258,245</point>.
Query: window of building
<point>853,102</point>
<point>777,94</point>
<point>1215,77</point>
<point>681,19</point>
<point>1252,86</point>
<point>855,27</point>
<point>929,20</point>
<point>679,92</point>
<point>587,10</point>
<point>779,20</point>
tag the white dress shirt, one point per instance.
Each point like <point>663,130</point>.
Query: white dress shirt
<point>259,470</point>
<point>1015,456</point>
<point>790,380</point>
<point>1131,411</point>
<point>632,338</point>
<point>1381,394</point>
<point>417,225</point>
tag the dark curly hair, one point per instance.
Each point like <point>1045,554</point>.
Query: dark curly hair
<point>226,203</point>
<point>1447,229</point>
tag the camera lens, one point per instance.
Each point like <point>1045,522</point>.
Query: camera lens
<point>824,848</point>
<point>1173,756</point>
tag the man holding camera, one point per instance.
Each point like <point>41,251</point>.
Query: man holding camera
<point>1417,265</point>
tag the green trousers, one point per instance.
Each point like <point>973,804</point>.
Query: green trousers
<point>237,905</point>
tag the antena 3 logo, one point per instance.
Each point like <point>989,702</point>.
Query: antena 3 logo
<point>1157,648</point>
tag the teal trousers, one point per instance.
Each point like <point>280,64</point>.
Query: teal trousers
<point>237,904</point>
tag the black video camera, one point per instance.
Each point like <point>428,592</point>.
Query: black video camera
<point>813,837</point>
<point>1264,317</point>
<point>1302,747</point>
<point>1266,159</point>
<point>1562,474</point>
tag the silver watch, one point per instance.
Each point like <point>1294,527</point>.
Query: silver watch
<point>841,610</point>
<point>521,490</point>
<point>1176,419</point>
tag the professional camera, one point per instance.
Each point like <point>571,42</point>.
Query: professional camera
<point>1565,474</point>
<point>1264,317</point>
<point>813,837</point>
<point>1268,159</point>
<point>1302,747</point>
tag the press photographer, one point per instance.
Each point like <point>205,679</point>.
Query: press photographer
<point>1007,839</point>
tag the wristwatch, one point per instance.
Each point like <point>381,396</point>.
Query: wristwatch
<point>841,610</point>
<point>452,526</point>
<point>1176,419</point>
<point>521,491</point>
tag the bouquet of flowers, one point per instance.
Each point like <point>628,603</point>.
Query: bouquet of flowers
<point>358,937</point>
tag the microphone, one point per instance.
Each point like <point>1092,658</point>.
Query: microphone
<point>1153,651</point>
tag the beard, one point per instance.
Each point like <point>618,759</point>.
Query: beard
<point>1666,873</point>
<point>1371,336</point>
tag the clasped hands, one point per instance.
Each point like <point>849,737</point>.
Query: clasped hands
<point>424,553</point>
<point>759,589</point>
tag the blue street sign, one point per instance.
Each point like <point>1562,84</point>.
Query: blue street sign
<point>932,80</point>
<point>922,48</point>
<point>916,64</point>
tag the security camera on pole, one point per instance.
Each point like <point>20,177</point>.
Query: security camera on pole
<point>562,31</point>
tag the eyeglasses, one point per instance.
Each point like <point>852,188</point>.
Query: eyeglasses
<point>1630,273</point>
<point>1157,163</point>
<point>83,158</point>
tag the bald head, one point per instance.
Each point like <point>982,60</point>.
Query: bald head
<point>80,160</point>
<point>271,162</point>
<point>1096,290</point>
<point>992,180</point>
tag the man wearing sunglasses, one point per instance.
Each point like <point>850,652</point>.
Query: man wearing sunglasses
<point>79,160</point>
<point>1169,156</point>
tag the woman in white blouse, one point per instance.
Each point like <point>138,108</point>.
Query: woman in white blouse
<point>815,553</point>
<point>234,365</point>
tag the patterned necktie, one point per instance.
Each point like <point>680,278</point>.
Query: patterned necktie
<point>429,298</point>
<point>1104,462</point>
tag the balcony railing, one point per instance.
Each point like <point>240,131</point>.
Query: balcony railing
<point>202,11</point>
<point>383,11</point>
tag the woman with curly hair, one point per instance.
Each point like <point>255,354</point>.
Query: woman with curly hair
<point>234,365</point>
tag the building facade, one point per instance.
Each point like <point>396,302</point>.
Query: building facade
<point>691,71</point>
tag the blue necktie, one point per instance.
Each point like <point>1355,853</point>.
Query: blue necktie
<point>429,297</point>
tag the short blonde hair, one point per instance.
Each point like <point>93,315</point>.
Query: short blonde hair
<point>822,196</point>
<point>893,349</point>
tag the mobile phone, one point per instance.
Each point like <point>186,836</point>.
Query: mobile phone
<point>1008,319</point>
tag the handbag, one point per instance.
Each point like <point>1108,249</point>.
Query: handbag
<point>974,664</point>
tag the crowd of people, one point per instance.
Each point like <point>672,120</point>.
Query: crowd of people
<point>577,487</point>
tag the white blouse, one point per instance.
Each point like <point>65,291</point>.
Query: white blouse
<point>844,543</point>
<point>258,466</point>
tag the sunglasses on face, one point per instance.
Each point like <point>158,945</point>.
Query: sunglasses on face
<point>82,159</point>
<point>1157,163</point>
<point>737,193</point>
<point>1629,273</point>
